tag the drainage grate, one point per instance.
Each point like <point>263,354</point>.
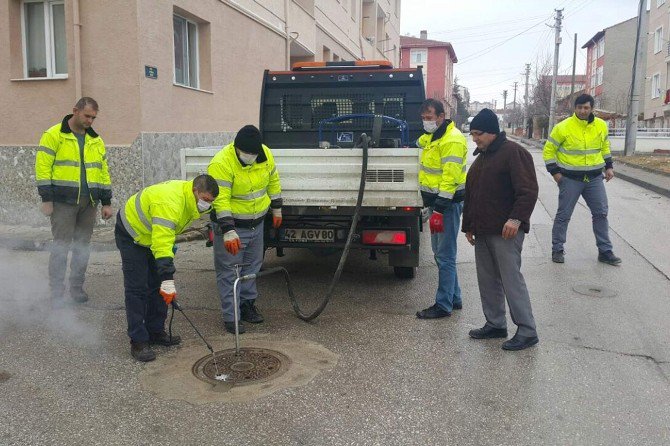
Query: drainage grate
<point>594,291</point>
<point>251,366</point>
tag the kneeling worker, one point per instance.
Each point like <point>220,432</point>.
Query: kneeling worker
<point>145,232</point>
<point>249,182</point>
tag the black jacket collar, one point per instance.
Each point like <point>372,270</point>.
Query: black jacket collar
<point>441,130</point>
<point>65,127</point>
<point>495,145</point>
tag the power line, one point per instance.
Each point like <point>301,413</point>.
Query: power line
<point>492,47</point>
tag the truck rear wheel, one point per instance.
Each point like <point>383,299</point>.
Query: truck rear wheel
<point>404,272</point>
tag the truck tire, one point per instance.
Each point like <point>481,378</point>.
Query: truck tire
<point>404,272</point>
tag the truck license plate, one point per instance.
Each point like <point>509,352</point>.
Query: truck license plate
<point>309,235</point>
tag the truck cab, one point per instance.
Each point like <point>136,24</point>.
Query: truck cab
<point>312,118</point>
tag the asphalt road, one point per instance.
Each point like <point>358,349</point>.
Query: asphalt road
<point>600,375</point>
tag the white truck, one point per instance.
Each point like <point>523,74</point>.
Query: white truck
<point>311,118</point>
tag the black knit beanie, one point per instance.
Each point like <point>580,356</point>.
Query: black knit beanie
<point>248,140</point>
<point>486,121</point>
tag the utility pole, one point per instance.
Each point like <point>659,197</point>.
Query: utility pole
<point>557,41</point>
<point>504,106</point>
<point>514,107</point>
<point>574,61</point>
<point>525,100</point>
<point>634,104</point>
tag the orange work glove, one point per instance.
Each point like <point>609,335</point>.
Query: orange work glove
<point>168,291</point>
<point>276,218</point>
<point>232,242</point>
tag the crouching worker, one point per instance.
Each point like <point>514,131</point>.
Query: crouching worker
<point>246,173</point>
<point>145,232</point>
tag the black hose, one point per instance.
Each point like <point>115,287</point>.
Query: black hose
<point>365,140</point>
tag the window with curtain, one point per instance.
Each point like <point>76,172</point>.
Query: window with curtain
<point>185,52</point>
<point>44,42</point>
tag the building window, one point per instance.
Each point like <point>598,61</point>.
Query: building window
<point>656,86</point>
<point>185,52</point>
<point>418,56</point>
<point>658,40</point>
<point>601,48</point>
<point>599,76</point>
<point>44,44</point>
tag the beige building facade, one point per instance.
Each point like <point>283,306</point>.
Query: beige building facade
<point>656,87</point>
<point>167,74</point>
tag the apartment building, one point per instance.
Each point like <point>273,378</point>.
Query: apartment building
<point>609,64</point>
<point>167,74</point>
<point>656,91</point>
<point>437,59</point>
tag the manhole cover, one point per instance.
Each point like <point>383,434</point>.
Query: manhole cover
<point>251,366</point>
<point>594,291</point>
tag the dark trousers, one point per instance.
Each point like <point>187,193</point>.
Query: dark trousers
<point>145,310</point>
<point>71,227</point>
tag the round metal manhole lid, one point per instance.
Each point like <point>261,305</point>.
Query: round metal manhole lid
<point>250,366</point>
<point>594,291</point>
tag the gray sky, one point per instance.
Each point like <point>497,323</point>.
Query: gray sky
<point>482,33</point>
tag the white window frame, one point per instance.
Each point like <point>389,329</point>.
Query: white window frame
<point>50,50</point>
<point>414,51</point>
<point>600,48</point>
<point>658,40</point>
<point>599,75</point>
<point>196,48</point>
<point>656,86</point>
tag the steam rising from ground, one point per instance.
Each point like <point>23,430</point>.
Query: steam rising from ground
<point>25,303</point>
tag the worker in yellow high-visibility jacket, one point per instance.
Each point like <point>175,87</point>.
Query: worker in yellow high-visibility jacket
<point>442,183</point>
<point>575,154</point>
<point>249,183</point>
<point>72,178</point>
<point>145,232</point>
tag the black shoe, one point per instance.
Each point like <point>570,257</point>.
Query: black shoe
<point>249,313</point>
<point>519,342</point>
<point>488,332</point>
<point>141,351</point>
<point>609,258</point>
<point>458,306</point>
<point>163,338</point>
<point>434,312</point>
<point>557,257</point>
<point>230,327</point>
<point>78,295</point>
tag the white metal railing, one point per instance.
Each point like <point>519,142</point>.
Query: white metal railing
<point>645,132</point>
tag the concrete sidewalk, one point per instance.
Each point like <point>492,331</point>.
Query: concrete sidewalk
<point>647,179</point>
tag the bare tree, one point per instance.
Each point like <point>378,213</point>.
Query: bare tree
<point>540,96</point>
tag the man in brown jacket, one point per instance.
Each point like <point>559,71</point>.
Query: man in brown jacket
<point>500,194</point>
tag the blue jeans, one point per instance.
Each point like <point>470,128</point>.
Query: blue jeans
<point>444,249</point>
<point>595,196</point>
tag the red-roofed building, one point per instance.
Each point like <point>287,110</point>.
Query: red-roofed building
<point>438,59</point>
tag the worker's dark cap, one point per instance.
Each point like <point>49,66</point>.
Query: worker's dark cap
<point>248,140</point>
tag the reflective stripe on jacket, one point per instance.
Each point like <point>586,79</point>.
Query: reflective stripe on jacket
<point>155,215</point>
<point>58,166</point>
<point>577,147</point>
<point>245,192</point>
<point>443,165</point>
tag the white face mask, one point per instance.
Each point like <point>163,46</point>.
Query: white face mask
<point>248,158</point>
<point>203,206</point>
<point>430,126</point>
